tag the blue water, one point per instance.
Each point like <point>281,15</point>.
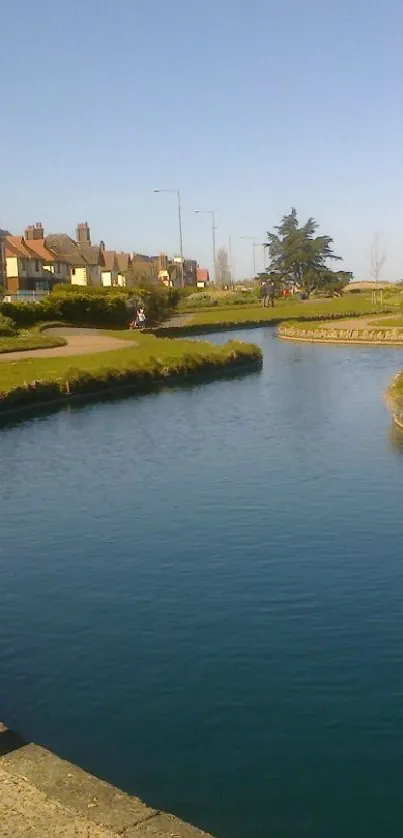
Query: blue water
<point>201,594</point>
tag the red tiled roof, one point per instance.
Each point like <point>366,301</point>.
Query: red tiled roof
<point>203,275</point>
<point>40,251</point>
<point>15,246</point>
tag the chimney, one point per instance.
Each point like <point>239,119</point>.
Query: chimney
<point>34,232</point>
<point>83,233</point>
<point>102,246</point>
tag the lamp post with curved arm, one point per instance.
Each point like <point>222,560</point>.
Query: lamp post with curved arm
<point>177,193</point>
<point>213,229</point>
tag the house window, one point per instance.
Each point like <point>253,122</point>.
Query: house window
<point>73,271</point>
<point>38,267</point>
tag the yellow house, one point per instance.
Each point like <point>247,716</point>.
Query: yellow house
<point>110,271</point>
<point>85,260</point>
<point>124,264</point>
<point>31,267</point>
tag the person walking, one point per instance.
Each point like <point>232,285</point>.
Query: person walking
<point>271,292</point>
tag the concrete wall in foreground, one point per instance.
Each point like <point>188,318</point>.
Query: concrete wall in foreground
<point>42,796</point>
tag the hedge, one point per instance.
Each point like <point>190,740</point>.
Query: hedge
<point>80,309</point>
<point>86,308</point>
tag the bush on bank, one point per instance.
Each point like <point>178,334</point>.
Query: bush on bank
<point>7,327</point>
<point>395,390</point>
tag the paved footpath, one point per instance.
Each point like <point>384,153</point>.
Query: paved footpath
<point>42,796</point>
<point>79,342</point>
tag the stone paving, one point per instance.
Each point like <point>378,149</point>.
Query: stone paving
<point>42,796</point>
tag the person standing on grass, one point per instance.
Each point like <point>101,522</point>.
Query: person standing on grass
<point>263,293</point>
<point>271,292</point>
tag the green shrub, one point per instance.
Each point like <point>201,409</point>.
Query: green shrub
<point>7,327</point>
<point>23,314</point>
<point>158,302</point>
<point>80,309</point>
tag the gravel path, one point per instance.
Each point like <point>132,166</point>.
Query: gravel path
<point>79,342</point>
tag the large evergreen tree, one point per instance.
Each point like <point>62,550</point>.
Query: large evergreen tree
<point>298,255</point>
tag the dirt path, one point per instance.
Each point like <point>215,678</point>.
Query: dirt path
<point>79,342</point>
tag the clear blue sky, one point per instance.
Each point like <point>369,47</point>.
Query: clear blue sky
<point>248,106</point>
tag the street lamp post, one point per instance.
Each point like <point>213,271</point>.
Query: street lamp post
<point>212,213</point>
<point>255,244</point>
<point>231,262</point>
<point>177,193</point>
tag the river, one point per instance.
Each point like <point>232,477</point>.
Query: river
<point>201,594</point>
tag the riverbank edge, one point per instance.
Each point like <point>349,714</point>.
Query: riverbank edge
<point>146,383</point>
<point>41,792</point>
<point>394,399</point>
<point>374,337</point>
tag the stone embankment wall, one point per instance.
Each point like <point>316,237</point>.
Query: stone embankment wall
<point>46,797</point>
<point>333,334</point>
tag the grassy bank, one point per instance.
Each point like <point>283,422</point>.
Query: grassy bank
<point>148,361</point>
<point>34,338</point>
<point>254,315</point>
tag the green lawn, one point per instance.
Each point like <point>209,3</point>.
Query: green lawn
<point>34,338</point>
<point>347,306</point>
<point>147,354</point>
<point>390,323</point>
<point>27,341</point>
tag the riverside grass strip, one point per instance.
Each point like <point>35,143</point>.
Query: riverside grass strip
<point>28,341</point>
<point>255,316</point>
<point>149,361</point>
<point>35,338</point>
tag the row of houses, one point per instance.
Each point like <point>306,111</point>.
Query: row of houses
<point>34,263</point>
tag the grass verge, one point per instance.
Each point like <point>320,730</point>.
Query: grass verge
<point>34,338</point>
<point>254,316</point>
<point>149,362</point>
<point>390,322</point>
